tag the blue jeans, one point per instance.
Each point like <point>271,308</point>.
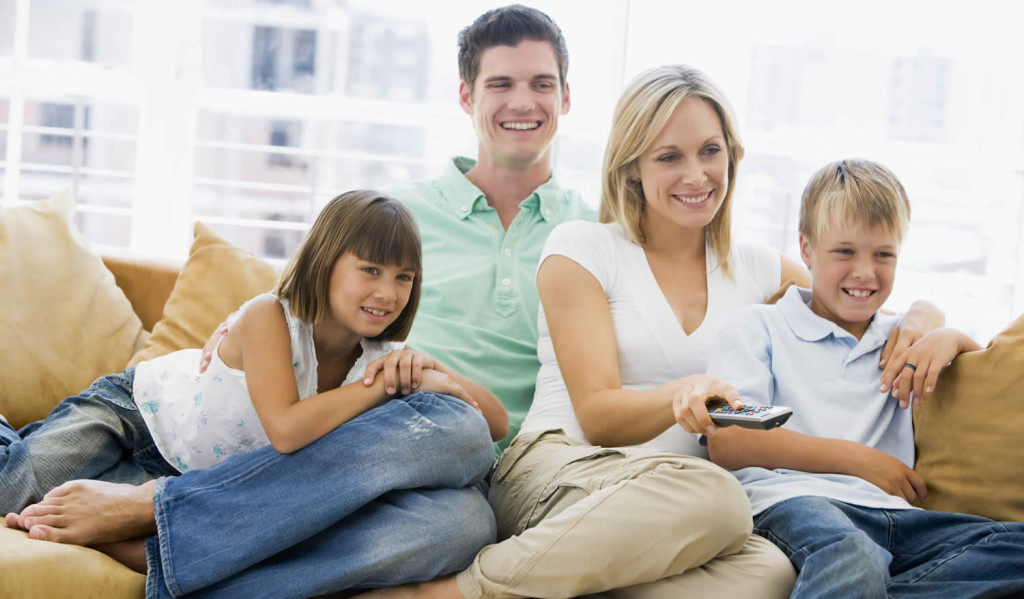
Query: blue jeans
<point>843,550</point>
<point>97,434</point>
<point>390,497</point>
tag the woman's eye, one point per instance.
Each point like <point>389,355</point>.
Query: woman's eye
<point>712,150</point>
<point>667,157</point>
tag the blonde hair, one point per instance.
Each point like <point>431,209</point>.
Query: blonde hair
<point>642,112</point>
<point>372,226</point>
<point>853,192</point>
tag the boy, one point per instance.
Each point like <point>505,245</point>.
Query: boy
<point>833,487</point>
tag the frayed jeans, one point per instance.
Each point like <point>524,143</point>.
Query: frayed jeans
<point>98,434</point>
<point>392,496</point>
<point>844,550</point>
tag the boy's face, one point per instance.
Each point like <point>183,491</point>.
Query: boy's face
<point>515,103</point>
<point>852,272</point>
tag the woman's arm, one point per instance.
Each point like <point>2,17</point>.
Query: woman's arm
<point>583,336</point>
<point>735,447</point>
<point>260,344</point>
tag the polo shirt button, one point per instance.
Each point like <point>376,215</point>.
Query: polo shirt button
<point>547,212</point>
<point>465,209</point>
<point>506,282</point>
<point>507,252</point>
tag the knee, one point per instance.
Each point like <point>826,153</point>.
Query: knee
<point>715,500</point>
<point>464,434</point>
<point>463,528</point>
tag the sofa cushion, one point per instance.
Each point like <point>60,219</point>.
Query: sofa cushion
<point>64,321</point>
<point>970,446</point>
<point>38,569</point>
<point>217,278</point>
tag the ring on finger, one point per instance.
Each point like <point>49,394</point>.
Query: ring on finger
<point>910,366</point>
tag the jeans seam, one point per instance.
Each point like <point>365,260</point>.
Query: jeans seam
<point>160,516</point>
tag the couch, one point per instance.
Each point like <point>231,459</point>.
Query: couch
<point>70,315</point>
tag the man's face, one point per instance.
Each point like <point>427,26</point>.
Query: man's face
<point>515,103</point>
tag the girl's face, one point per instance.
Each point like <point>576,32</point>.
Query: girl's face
<point>685,171</point>
<point>367,297</point>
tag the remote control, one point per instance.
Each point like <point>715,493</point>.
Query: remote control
<point>762,417</point>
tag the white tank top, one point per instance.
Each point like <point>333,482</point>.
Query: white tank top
<point>198,420</point>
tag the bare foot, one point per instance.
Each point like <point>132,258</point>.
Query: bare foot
<point>131,553</point>
<point>90,512</point>
<point>441,588</point>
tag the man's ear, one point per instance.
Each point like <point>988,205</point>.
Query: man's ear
<point>566,102</point>
<point>805,251</point>
<point>466,97</point>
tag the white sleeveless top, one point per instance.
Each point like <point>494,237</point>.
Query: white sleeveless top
<point>198,420</point>
<point>652,346</point>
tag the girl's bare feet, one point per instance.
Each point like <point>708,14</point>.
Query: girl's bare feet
<point>89,512</point>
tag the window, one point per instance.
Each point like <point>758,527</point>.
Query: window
<point>251,114</point>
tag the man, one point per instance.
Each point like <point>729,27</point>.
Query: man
<point>483,226</point>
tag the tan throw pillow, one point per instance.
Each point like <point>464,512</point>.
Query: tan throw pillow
<point>215,280</point>
<point>970,432</point>
<point>63,322</point>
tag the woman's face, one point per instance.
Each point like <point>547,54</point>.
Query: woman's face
<point>685,171</point>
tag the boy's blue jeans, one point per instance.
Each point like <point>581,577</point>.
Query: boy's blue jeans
<point>98,434</point>
<point>843,550</point>
<point>390,497</point>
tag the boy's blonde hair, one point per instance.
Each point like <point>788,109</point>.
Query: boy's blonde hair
<point>371,225</point>
<point>644,108</point>
<point>853,192</point>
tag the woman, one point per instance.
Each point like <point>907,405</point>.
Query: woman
<point>629,308</point>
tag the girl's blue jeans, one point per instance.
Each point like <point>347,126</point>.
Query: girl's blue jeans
<point>395,495</point>
<point>843,550</point>
<point>98,434</point>
<point>390,497</point>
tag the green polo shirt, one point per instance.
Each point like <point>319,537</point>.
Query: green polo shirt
<point>478,309</point>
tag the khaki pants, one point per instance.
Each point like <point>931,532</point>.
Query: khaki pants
<point>622,522</point>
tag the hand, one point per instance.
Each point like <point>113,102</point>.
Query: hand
<point>921,319</point>
<point>211,344</point>
<point>402,369</point>
<point>923,361</point>
<point>689,404</point>
<point>889,474</point>
<point>439,382</point>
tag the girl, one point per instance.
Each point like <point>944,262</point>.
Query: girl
<point>346,299</point>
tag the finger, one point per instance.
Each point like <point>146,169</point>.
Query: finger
<point>890,346</point>
<point>405,373</point>
<point>933,376</point>
<point>917,481</point>
<point>899,387</point>
<point>681,412</point>
<point>919,376</point>
<point>699,409</point>
<point>907,491</point>
<point>371,371</point>
<point>417,370</point>
<point>390,373</point>
<point>893,369</point>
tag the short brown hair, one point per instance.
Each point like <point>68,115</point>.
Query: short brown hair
<point>642,112</point>
<point>854,192</point>
<point>507,26</point>
<point>371,225</point>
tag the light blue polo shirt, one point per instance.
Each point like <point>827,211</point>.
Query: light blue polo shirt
<point>478,308</point>
<point>785,355</point>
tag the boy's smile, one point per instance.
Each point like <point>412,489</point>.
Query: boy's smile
<point>852,272</point>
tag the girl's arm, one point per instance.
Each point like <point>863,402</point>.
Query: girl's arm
<point>735,447</point>
<point>583,335</point>
<point>259,345</point>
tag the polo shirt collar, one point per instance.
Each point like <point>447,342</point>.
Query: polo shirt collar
<point>464,197</point>
<point>795,308</point>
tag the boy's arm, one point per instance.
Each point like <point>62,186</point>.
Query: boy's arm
<point>735,447</point>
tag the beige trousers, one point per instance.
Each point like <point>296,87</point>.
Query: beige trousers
<point>619,523</point>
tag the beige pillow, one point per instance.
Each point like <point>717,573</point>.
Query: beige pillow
<point>970,432</point>
<point>215,280</point>
<point>63,321</point>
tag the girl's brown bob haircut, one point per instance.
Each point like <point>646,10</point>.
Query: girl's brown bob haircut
<point>371,225</point>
